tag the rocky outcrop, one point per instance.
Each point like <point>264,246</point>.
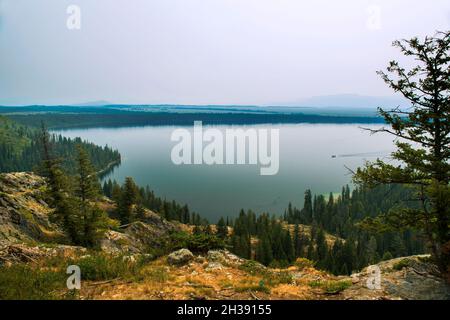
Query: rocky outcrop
<point>224,257</point>
<point>409,278</point>
<point>22,253</point>
<point>24,215</point>
<point>138,237</point>
<point>180,257</point>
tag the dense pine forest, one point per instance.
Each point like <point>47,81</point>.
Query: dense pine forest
<point>330,232</point>
<point>336,239</point>
<point>20,149</point>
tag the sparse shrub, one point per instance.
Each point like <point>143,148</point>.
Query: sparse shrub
<point>276,278</point>
<point>198,243</point>
<point>100,266</point>
<point>23,282</point>
<point>157,274</point>
<point>401,264</point>
<point>269,277</point>
<point>387,256</point>
<point>252,267</point>
<point>303,263</point>
<point>331,286</point>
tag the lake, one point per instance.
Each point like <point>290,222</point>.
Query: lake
<point>312,156</point>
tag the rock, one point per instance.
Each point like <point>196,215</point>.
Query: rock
<point>154,233</point>
<point>410,278</point>
<point>215,255</point>
<point>117,242</point>
<point>214,266</point>
<point>24,215</point>
<point>22,253</point>
<point>355,279</point>
<point>180,257</point>
<point>19,253</point>
<point>200,259</point>
<point>224,257</point>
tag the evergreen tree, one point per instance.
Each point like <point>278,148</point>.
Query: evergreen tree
<point>222,229</point>
<point>127,200</point>
<point>87,190</point>
<point>64,213</point>
<point>423,149</point>
<point>264,251</point>
<point>307,212</point>
<point>288,247</point>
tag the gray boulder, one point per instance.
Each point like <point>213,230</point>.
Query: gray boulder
<point>180,257</point>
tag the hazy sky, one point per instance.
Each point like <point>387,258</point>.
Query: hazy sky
<point>203,51</point>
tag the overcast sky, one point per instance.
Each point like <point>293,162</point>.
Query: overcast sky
<point>203,51</point>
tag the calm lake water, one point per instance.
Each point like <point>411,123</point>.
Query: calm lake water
<point>306,162</point>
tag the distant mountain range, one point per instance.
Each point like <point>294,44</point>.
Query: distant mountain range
<point>346,101</point>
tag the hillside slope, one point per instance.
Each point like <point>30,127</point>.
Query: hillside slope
<point>124,267</point>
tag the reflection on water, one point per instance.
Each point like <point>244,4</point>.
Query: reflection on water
<point>311,156</point>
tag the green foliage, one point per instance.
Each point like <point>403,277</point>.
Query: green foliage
<point>252,267</point>
<point>268,277</point>
<point>277,247</point>
<point>222,229</point>
<point>199,243</point>
<point>141,198</point>
<point>303,263</point>
<point>127,200</point>
<point>20,149</point>
<point>423,150</point>
<point>101,266</point>
<point>66,117</point>
<point>73,198</point>
<point>403,263</point>
<point>331,286</point>
<point>23,282</point>
<point>387,256</point>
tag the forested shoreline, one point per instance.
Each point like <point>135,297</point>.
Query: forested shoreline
<point>124,118</point>
<point>21,150</point>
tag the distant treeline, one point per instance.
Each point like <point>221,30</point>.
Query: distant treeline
<point>21,150</point>
<point>124,118</point>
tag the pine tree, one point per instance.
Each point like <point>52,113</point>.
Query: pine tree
<point>322,249</point>
<point>288,247</point>
<point>298,242</point>
<point>307,212</point>
<point>127,200</point>
<point>264,251</point>
<point>423,150</point>
<point>64,213</point>
<point>87,190</point>
<point>222,229</point>
<point>371,250</point>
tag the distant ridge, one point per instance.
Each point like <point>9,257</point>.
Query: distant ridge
<point>97,103</point>
<point>349,101</point>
